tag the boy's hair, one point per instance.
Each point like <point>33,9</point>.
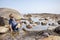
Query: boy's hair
<point>11,15</point>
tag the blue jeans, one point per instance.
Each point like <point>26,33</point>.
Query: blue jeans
<point>14,28</point>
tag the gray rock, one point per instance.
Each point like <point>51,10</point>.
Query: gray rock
<point>45,34</point>
<point>2,23</point>
<point>57,30</point>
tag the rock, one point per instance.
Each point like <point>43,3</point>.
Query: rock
<point>29,26</point>
<point>45,34</point>
<point>2,22</point>
<point>5,12</point>
<point>57,30</point>
<point>43,23</point>
<point>37,23</point>
<point>52,38</point>
<point>51,27</point>
<point>58,21</point>
<point>3,30</point>
<point>28,38</point>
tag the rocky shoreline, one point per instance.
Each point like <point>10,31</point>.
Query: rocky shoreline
<point>21,35</point>
<point>26,36</point>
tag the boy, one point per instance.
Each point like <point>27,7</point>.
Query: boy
<point>12,23</point>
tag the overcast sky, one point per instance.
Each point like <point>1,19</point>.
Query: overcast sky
<point>32,6</point>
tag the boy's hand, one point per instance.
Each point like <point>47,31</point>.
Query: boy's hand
<point>18,26</point>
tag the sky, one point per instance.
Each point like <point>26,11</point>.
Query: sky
<point>32,6</point>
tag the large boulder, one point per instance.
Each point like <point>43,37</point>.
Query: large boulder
<point>4,12</point>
